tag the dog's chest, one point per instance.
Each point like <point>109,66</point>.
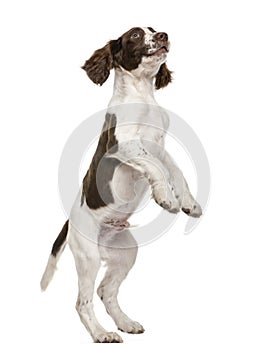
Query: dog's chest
<point>148,123</point>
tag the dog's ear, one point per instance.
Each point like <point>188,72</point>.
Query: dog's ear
<point>98,66</point>
<point>163,77</point>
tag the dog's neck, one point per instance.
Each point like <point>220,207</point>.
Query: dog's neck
<point>132,87</point>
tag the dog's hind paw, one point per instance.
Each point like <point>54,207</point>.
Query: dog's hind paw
<point>108,337</point>
<point>130,326</point>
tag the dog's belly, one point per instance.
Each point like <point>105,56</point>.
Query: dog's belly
<point>127,185</point>
<point>129,188</point>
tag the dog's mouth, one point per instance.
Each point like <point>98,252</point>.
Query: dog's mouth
<point>157,52</point>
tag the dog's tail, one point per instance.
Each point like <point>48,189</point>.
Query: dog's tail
<point>56,252</point>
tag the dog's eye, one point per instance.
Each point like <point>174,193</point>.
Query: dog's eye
<point>135,35</point>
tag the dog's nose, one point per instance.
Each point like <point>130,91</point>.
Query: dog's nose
<point>161,36</point>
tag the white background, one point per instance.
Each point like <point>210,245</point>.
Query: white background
<point>207,290</point>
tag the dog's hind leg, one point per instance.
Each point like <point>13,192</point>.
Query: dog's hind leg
<point>87,261</point>
<point>119,253</point>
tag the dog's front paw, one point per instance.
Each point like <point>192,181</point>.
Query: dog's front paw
<point>108,337</point>
<point>194,210</point>
<point>165,197</point>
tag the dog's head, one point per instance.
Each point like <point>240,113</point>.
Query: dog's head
<point>140,51</point>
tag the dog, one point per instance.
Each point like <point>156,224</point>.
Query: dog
<point>130,161</point>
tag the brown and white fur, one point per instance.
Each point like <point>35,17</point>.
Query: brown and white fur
<point>128,153</point>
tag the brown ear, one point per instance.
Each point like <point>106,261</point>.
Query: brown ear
<point>163,77</point>
<point>98,66</point>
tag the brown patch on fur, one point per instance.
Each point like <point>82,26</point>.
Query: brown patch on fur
<point>90,191</point>
<point>60,240</point>
<point>127,52</point>
<point>132,49</point>
<point>163,77</point>
<point>152,30</point>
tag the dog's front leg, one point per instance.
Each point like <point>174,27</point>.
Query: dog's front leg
<point>137,156</point>
<point>187,203</point>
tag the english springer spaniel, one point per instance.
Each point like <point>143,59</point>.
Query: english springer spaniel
<point>130,153</point>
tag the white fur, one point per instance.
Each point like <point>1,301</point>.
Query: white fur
<point>50,269</point>
<point>49,273</point>
<point>93,235</point>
